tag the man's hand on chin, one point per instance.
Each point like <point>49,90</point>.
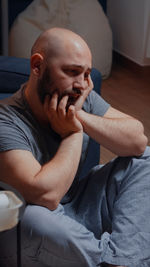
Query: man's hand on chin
<point>84,93</point>
<point>62,120</point>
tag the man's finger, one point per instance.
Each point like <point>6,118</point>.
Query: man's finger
<point>71,112</point>
<point>62,106</point>
<point>54,102</point>
<point>91,85</point>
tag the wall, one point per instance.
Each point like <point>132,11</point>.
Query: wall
<point>130,23</point>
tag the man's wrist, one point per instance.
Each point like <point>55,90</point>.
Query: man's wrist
<point>80,132</point>
<point>81,114</point>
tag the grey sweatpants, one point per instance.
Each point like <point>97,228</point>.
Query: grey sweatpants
<point>108,220</point>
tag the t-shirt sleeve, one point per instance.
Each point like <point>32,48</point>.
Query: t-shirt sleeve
<point>11,135</point>
<point>95,104</point>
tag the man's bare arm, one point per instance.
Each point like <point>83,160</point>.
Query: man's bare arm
<point>43,185</point>
<point>118,132</point>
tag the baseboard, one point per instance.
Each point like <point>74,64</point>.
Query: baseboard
<point>142,71</point>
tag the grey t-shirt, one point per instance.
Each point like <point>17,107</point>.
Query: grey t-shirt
<point>19,129</point>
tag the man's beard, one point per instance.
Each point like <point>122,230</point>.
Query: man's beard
<point>44,85</point>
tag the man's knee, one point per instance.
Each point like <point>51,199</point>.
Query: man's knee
<point>39,222</point>
<point>41,225</point>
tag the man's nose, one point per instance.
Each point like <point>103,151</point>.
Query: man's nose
<point>80,83</point>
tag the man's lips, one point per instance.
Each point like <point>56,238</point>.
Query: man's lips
<point>73,95</point>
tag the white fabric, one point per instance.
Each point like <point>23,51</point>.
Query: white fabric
<point>84,17</point>
<point>4,201</point>
<point>9,210</point>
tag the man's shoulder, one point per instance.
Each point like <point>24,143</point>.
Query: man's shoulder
<point>6,110</point>
<point>95,104</point>
<point>89,101</point>
<point>15,99</point>
<point>13,106</point>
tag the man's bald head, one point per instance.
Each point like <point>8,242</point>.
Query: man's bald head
<point>61,62</point>
<point>57,41</point>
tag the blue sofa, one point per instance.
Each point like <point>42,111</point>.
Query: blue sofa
<point>15,71</point>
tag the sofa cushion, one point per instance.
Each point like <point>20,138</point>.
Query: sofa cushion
<point>13,72</point>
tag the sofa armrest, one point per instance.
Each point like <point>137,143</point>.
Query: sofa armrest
<point>13,72</point>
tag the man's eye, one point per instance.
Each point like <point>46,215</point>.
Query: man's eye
<point>72,72</point>
<point>86,75</point>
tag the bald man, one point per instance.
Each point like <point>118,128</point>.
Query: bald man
<point>44,133</point>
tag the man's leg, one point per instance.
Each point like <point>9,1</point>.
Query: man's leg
<point>128,198</point>
<point>53,239</point>
<point>114,204</point>
<point>50,238</point>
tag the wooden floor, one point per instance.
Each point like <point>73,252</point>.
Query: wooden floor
<point>129,92</point>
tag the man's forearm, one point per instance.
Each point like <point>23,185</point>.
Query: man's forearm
<point>123,136</point>
<point>56,176</point>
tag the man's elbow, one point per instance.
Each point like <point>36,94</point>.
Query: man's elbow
<point>140,145</point>
<point>49,200</point>
<point>140,140</point>
<point>52,205</point>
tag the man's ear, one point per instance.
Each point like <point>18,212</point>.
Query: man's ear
<point>37,63</point>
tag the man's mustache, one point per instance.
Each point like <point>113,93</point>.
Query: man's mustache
<point>71,93</point>
<point>74,92</point>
